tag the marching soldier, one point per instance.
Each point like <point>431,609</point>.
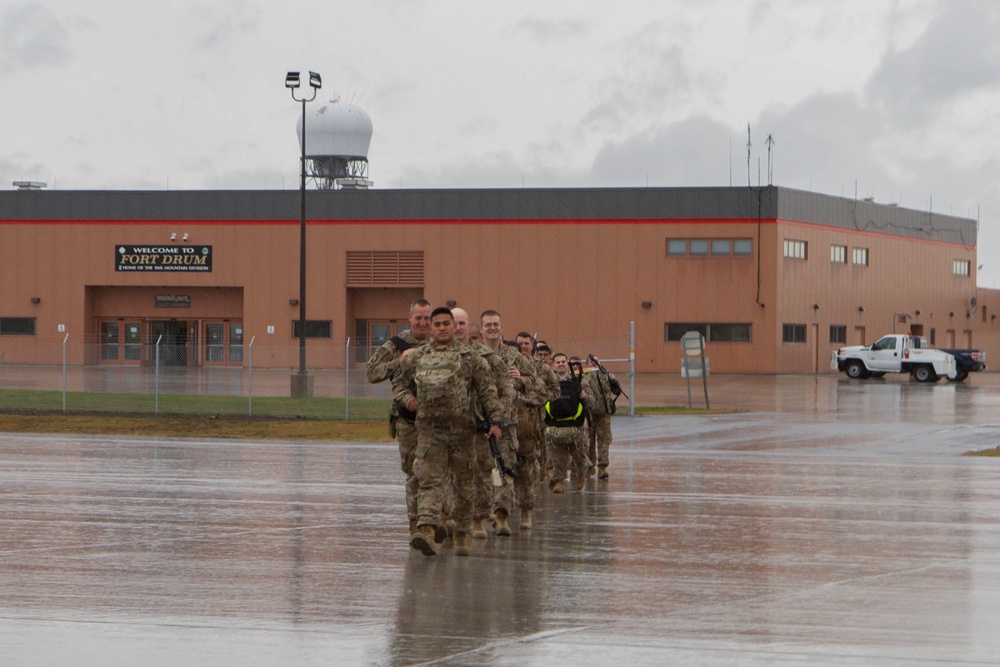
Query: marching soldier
<point>605,389</point>
<point>383,365</point>
<point>530,419</point>
<point>522,377</point>
<point>482,496</point>
<point>565,433</point>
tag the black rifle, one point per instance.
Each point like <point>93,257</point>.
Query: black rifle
<point>498,459</point>
<point>616,386</point>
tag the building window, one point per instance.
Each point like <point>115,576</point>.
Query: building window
<point>721,333</point>
<point>709,247</point>
<point>793,333</point>
<point>17,326</point>
<point>838,254</point>
<point>677,247</point>
<point>729,333</point>
<point>795,249</point>
<point>960,267</point>
<point>314,329</point>
<point>838,333</point>
<point>860,256</point>
<point>698,247</point>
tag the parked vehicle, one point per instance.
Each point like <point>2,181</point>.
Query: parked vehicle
<point>897,353</point>
<point>967,361</point>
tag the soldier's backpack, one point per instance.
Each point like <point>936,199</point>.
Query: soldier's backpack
<point>567,410</point>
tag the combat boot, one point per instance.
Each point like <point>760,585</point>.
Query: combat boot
<point>478,530</point>
<point>525,519</point>
<point>422,540</point>
<point>590,471</point>
<point>558,486</point>
<point>578,484</point>
<point>602,472</point>
<point>503,528</point>
<point>461,540</point>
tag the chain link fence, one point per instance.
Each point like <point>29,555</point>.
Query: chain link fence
<point>39,374</point>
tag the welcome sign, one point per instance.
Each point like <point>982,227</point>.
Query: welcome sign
<point>163,258</point>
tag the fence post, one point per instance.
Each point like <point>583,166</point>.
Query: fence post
<point>631,369</point>
<point>156,378</point>
<point>64,372</point>
<point>250,378</point>
<point>347,380</point>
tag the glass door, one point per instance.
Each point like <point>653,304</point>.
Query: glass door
<point>121,342</point>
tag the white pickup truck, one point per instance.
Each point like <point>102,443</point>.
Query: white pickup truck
<point>896,353</point>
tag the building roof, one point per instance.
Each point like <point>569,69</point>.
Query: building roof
<point>557,204</point>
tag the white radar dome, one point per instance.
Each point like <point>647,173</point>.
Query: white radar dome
<point>336,129</point>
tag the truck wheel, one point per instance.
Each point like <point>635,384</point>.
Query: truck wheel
<point>959,376</point>
<point>856,370</point>
<point>924,374</point>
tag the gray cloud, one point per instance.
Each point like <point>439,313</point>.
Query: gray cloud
<point>694,151</point>
<point>956,55</point>
<point>544,30</point>
<point>221,27</point>
<point>32,36</point>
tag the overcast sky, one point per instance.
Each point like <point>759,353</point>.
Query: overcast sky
<point>897,100</point>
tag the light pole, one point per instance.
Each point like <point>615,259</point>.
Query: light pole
<point>302,382</point>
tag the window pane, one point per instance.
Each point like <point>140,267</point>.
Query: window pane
<point>720,246</point>
<point>677,246</point>
<point>699,247</point>
<point>793,333</point>
<point>729,333</point>
<point>742,247</point>
<point>314,328</point>
<point>674,332</point>
<point>17,326</point>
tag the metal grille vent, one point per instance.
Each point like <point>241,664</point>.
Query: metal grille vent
<point>385,268</point>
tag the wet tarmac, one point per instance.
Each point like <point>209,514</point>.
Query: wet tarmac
<point>834,523</point>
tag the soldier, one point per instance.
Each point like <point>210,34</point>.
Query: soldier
<point>482,497</point>
<point>605,389</point>
<point>521,490</point>
<point>383,365</point>
<point>436,382</point>
<point>564,431</point>
<point>530,416</point>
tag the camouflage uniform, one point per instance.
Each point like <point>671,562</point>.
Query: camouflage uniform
<point>568,450</point>
<point>517,491</point>
<point>531,417</point>
<point>383,365</point>
<point>598,385</point>
<point>483,491</point>
<point>531,429</point>
<point>443,378</point>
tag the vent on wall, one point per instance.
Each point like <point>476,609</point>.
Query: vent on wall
<point>385,268</point>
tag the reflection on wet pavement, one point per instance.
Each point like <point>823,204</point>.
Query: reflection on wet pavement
<point>838,525</point>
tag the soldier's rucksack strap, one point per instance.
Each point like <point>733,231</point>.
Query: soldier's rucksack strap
<point>401,344</point>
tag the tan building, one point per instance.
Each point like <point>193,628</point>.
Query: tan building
<point>775,278</point>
